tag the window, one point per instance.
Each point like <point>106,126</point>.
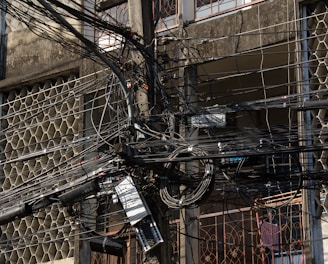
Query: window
<point>206,8</point>
<point>165,13</point>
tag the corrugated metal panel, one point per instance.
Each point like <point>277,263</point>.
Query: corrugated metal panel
<point>131,200</point>
<point>208,120</point>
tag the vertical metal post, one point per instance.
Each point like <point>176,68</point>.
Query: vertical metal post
<point>2,176</point>
<point>244,235</point>
<point>224,237</point>
<point>311,223</point>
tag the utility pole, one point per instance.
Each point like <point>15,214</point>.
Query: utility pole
<point>187,74</point>
<point>189,216</point>
<point>141,22</point>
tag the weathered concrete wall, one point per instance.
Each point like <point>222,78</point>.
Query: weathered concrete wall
<point>28,54</point>
<point>241,31</point>
<point>261,25</point>
<point>30,57</point>
<point>61,261</point>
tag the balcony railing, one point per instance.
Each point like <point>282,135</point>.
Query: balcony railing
<point>247,235</point>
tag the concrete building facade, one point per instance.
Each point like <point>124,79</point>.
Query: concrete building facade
<point>260,67</point>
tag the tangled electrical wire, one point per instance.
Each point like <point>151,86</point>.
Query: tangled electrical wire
<point>121,139</point>
<point>187,197</point>
<point>33,14</point>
